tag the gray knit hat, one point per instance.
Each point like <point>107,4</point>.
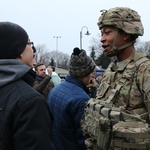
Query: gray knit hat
<point>80,64</point>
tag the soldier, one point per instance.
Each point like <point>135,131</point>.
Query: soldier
<point>124,92</point>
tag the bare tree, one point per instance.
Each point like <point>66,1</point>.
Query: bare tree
<point>96,46</point>
<point>41,53</point>
<point>63,60</point>
<point>144,47</point>
<point>47,57</point>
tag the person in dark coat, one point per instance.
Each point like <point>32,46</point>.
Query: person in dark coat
<point>25,119</point>
<point>67,102</point>
<point>43,82</point>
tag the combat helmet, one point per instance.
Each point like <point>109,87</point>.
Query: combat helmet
<point>122,18</point>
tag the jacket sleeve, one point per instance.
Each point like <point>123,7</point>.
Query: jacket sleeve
<point>76,113</point>
<point>146,89</point>
<point>32,126</point>
<point>40,86</point>
<point>143,81</point>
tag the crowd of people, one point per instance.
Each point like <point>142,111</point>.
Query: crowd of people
<point>79,113</point>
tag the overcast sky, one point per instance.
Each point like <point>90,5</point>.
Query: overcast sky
<point>43,19</point>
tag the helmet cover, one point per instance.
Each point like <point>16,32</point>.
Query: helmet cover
<point>122,18</point>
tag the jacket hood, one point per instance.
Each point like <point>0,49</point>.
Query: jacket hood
<point>11,70</point>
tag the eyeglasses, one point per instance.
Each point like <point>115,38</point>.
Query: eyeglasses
<point>32,45</point>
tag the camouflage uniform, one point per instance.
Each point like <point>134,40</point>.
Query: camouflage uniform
<point>135,94</point>
<point>122,18</point>
<point>125,85</point>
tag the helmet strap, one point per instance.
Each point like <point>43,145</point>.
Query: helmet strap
<point>115,49</point>
<point>126,45</point>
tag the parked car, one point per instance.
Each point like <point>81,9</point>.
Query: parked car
<point>62,76</point>
<point>55,78</point>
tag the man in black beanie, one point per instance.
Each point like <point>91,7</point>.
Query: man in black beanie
<point>67,102</point>
<point>25,119</point>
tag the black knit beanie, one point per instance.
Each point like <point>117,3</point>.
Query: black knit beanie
<point>13,40</point>
<point>80,64</point>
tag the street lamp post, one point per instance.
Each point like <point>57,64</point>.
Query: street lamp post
<point>87,33</point>
<point>56,49</point>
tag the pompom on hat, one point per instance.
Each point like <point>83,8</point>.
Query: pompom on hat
<point>13,40</point>
<point>80,64</point>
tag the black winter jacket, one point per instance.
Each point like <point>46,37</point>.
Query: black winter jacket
<point>25,119</point>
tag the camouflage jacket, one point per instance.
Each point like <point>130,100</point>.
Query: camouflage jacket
<point>134,95</point>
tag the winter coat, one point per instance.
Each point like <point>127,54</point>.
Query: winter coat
<point>25,119</point>
<point>43,85</point>
<point>67,102</point>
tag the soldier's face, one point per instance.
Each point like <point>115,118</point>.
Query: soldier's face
<point>111,37</point>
